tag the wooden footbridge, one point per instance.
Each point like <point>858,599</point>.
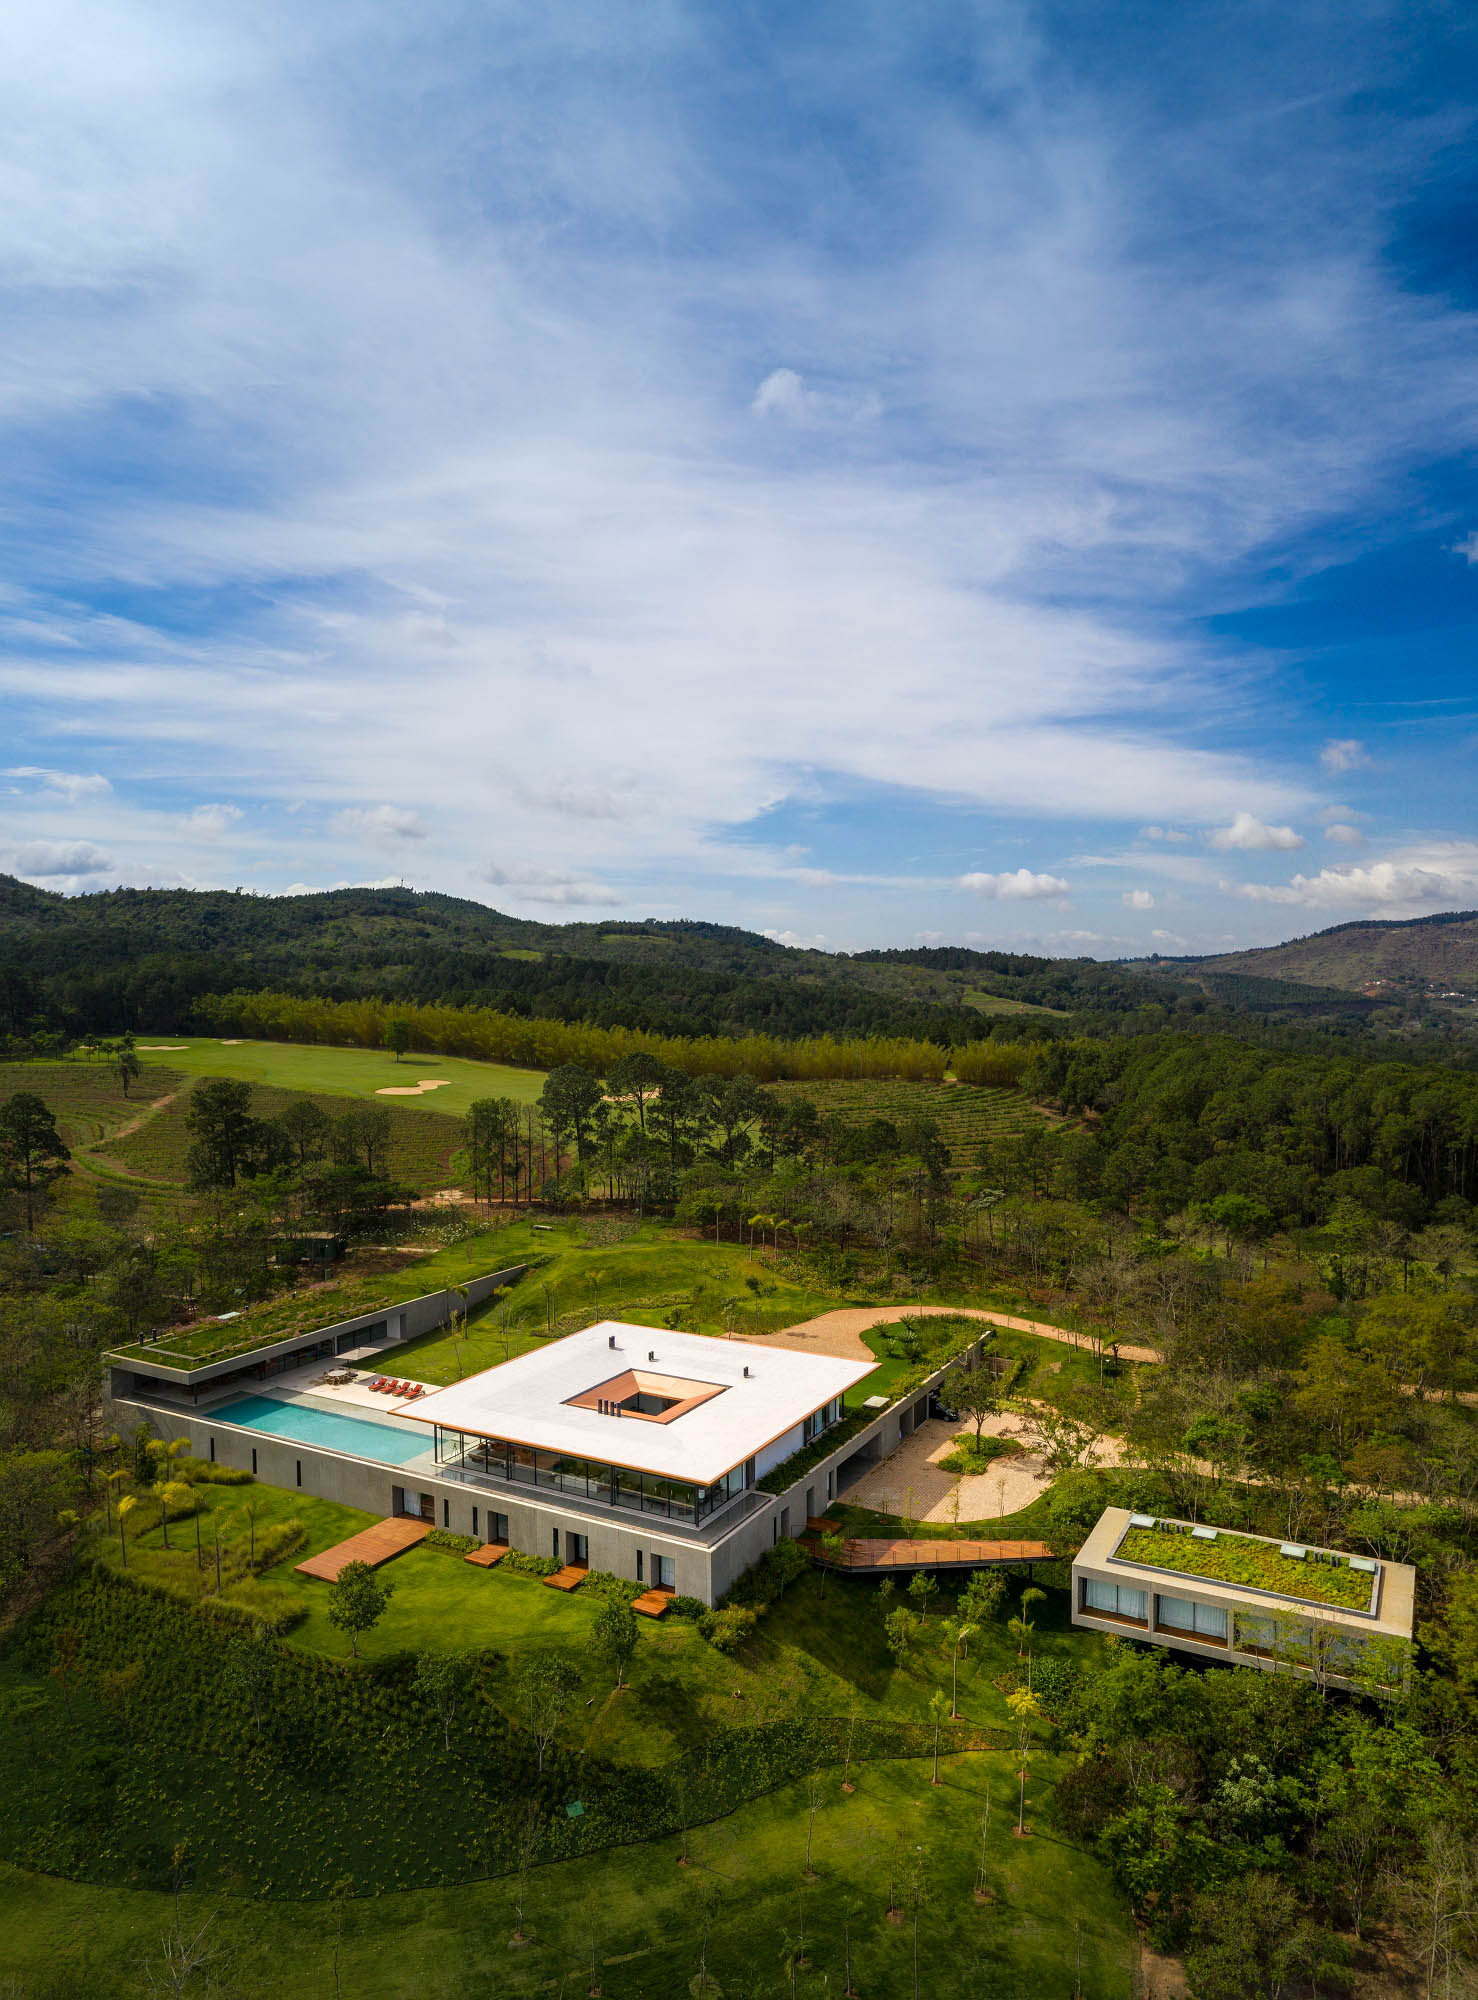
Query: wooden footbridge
<point>864,1555</point>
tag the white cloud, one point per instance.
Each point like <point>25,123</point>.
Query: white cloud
<point>210,822</point>
<point>1343,753</point>
<point>796,941</point>
<point>549,885</point>
<point>1167,937</point>
<point>1020,886</point>
<point>1249,835</point>
<point>386,826</point>
<point>46,859</point>
<point>1344,835</point>
<point>1468,547</point>
<point>1139,899</point>
<point>1411,883</point>
<point>1168,833</point>
<point>73,786</point>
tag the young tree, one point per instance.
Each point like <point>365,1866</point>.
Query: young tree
<point>397,1037</point>
<point>440,1681</point>
<point>32,1156</point>
<point>901,1628</point>
<point>973,1394</point>
<point>545,1689</point>
<point>939,1712</point>
<point>614,1635</point>
<point>358,1601</point>
<point>957,1637</point>
<point>815,1793</point>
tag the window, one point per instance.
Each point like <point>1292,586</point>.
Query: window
<point>300,1471</point>
<point>253,1458</point>
<point>638,1566</point>
<point>212,1451</point>
<point>1114,1600</point>
<point>1197,1621</point>
<point>474,1523</point>
<point>446,1513</point>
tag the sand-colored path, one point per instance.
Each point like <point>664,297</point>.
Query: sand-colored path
<point>911,1481</point>
<point>840,1332</point>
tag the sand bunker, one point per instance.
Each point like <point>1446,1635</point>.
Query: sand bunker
<point>234,1042</point>
<point>159,1049</point>
<point>413,1089</point>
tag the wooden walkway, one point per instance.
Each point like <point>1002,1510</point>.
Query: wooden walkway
<point>487,1555</point>
<point>568,1578</point>
<point>940,1554</point>
<point>376,1545</point>
<point>652,1603</point>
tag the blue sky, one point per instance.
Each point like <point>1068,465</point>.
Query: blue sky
<point>871,473</point>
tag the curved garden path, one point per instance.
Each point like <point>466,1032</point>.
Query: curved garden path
<point>840,1332</point>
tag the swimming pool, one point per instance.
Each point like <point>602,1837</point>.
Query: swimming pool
<point>361,1437</point>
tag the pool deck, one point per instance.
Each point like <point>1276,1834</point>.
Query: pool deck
<point>376,1545</point>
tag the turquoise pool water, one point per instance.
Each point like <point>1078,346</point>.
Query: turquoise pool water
<point>360,1436</point>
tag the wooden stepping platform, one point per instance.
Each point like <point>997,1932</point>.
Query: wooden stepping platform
<point>569,1577</point>
<point>902,1554</point>
<point>819,1525</point>
<point>652,1603</point>
<point>487,1555</point>
<point>376,1545</point>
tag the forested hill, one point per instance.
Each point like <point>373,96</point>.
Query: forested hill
<point>139,958</point>
<point>1422,957</point>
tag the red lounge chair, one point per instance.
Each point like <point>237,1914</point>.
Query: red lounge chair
<point>377,1383</point>
<point>416,1390</point>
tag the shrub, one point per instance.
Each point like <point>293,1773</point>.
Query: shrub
<point>728,1628</point>
<point>277,1543</point>
<point>454,1545</point>
<point>522,1565</point>
<point>261,1607</point>
<point>204,1472</point>
<point>604,1583</point>
<point>970,1457</point>
<point>687,1607</point>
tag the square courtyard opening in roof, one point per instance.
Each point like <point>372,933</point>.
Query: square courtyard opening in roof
<point>703,1405</point>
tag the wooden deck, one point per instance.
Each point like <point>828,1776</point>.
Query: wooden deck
<point>901,1554</point>
<point>568,1578</point>
<point>376,1545</point>
<point>487,1555</point>
<point>652,1603</point>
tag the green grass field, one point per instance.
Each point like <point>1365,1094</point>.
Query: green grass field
<point>301,1067</point>
<point>647,1922</point>
<point>966,1113</point>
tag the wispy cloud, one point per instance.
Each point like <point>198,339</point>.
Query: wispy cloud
<point>1410,882</point>
<point>73,786</point>
<point>1343,753</point>
<point>548,885</point>
<point>386,826</point>
<point>46,860</point>
<point>212,822</point>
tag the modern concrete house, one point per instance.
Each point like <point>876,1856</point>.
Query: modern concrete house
<point>1220,1594</point>
<point>660,1456</point>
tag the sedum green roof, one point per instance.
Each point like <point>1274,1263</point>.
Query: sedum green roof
<point>1248,1561</point>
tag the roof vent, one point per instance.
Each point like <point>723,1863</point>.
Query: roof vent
<point>651,1354</point>
<point>1141,1520</point>
<point>1203,1534</point>
<point>746,1368</point>
<point>1295,1551</point>
<point>1365,1564</point>
<point>610,1340</point>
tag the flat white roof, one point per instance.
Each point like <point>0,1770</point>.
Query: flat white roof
<point>527,1399</point>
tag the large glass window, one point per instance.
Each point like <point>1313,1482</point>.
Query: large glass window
<point>1117,1599</point>
<point>1183,1614</point>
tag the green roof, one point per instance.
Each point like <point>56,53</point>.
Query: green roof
<point>309,1309</point>
<point>1322,1576</point>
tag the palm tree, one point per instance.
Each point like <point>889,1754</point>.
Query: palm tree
<point>125,1507</point>
<point>957,1636</point>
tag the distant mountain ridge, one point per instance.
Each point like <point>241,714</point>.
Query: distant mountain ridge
<point>1401,959</point>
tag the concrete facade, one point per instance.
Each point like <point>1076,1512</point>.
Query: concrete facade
<point>1235,1623</point>
<point>707,1559</point>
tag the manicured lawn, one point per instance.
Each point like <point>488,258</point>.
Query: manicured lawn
<point>299,1066</point>
<point>644,1916</point>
